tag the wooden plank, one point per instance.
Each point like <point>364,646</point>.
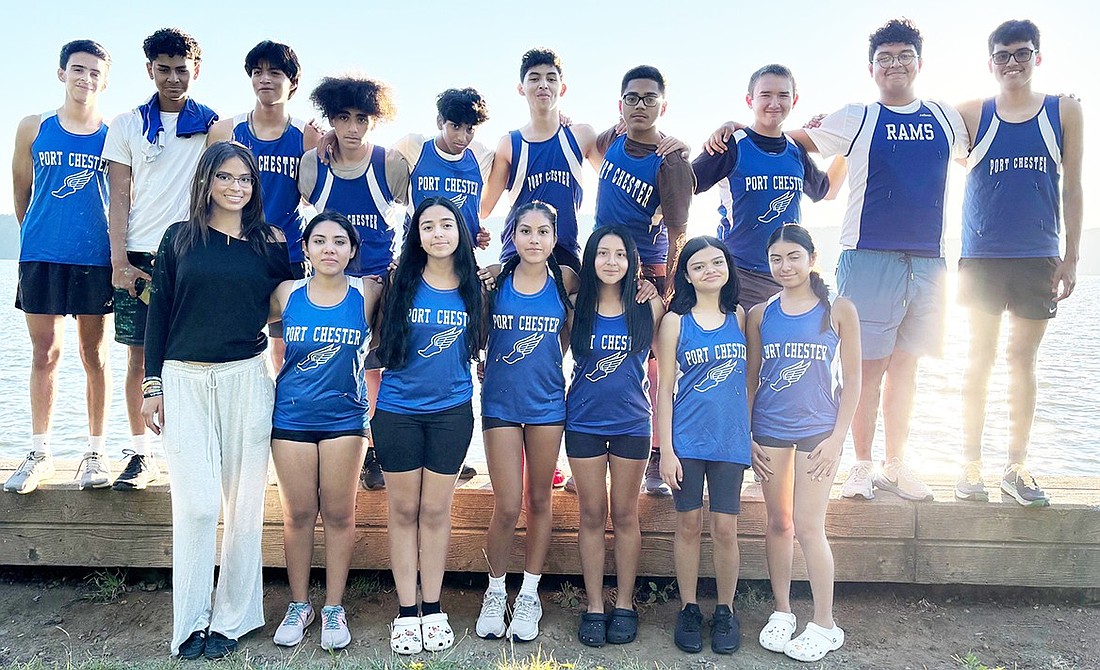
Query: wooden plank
<point>63,506</point>
<point>86,545</point>
<point>1008,564</point>
<point>1008,523</point>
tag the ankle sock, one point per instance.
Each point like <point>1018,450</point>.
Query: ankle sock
<point>496,584</point>
<point>427,608</point>
<point>411,610</point>
<point>140,444</point>
<point>96,444</point>
<point>41,443</point>
<point>530,584</point>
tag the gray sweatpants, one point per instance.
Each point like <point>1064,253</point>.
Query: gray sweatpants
<point>217,439</point>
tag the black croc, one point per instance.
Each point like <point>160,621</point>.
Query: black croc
<point>623,627</point>
<point>593,629</point>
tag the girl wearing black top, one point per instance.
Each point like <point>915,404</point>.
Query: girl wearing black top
<point>210,395</point>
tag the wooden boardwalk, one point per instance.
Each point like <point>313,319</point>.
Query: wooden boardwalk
<point>885,540</point>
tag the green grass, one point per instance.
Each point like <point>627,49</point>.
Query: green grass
<point>105,586</point>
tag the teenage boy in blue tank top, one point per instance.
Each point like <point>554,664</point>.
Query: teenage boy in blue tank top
<point>153,151</point>
<point>59,180</point>
<point>892,266</point>
<point>761,175</point>
<point>1023,141</point>
<point>278,142</point>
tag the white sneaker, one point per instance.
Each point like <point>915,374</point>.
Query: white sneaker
<point>93,472</point>
<point>490,623</point>
<point>293,628</point>
<point>37,467</point>
<point>860,482</point>
<point>897,478</point>
<point>334,628</point>
<point>526,614</point>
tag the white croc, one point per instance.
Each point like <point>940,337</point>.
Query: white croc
<point>405,635</point>
<point>777,633</point>
<point>814,643</point>
<point>437,632</point>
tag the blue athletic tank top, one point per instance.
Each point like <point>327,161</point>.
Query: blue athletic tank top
<point>549,171</point>
<point>278,162</point>
<point>524,382</point>
<point>1012,205</point>
<point>436,374</point>
<point>321,385</point>
<point>609,394</point>
<point>762,192</point>
<point>458,181</point>
<point>710,409</point>
<point>366,201</point>
<point>66,221</point>
<point>627,195</point>
<point>799,391</point>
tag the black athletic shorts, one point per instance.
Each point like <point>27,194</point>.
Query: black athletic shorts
<point>314,436</point>
<point>490,422</point>
<point>131,312</point>
<point>723,486</point>
<point>275,328</point>
<point>1023,286</point>
<point>806,444</point>
<point>437,441</point>
<point>588,445</point>
<point>60,289</point>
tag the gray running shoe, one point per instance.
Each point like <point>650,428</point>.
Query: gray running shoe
<point>526,614</point>
<point>653,484</point>
<point>334,628</point>
<point>94,472</point>
<point>1018,483</point>
<point>490,623</point>
<point>140,471</point>
<point>969,485</point>
<point>36,468</point>
<point>297,619</point>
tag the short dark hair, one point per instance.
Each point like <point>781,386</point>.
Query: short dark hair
<point>83,46</point>
<point>279,56</point>
<point>462,105</point>
<point>644,72</point>
<point>354,91</point>
<point>1013,31</point>
<point>895,31</point>
<point>538,56</point>
<point>171,42</point>
<point>773,69</point>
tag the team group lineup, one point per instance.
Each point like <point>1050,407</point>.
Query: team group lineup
<point>692,359</point>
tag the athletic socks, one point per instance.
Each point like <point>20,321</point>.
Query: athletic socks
<point>411,610</point>
<point>530,584</point>
<point>96,444</point>
<point>41,443</point>
<point>427,608</point>
<point>140,444</point>
<point>496,584</point>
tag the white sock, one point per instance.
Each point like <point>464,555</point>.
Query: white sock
<point>140,444</point>
<point>96,444</point>
<point>41,443</point>
<point>530,584</point>
<point>496,584</point>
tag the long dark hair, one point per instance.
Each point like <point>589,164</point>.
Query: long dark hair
<point>798,235</point>
<point>337,218</point>
<point>404,282</point>
<point>639,318</point>
<point>254,229</point>
<point>683,293</point>
<point>510,266</point>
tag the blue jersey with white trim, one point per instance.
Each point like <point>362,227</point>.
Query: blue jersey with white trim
<point>799,391</point>
<point>278,162</point>
<point>66,220</point>
<point>457,180</point>
<point>609,394</point>
<point>627,195</point>
<point>548,171</point>
<point>524,382</point>
<point>1012,206</point>
<point>321,385</point>
<point>710,409</point>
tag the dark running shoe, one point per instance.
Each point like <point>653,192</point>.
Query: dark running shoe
<point>725,631</point>
<point>466,472</point>
<point>193,646</point>
<point>689,629</point>
<point>371,475</point>
<point>219,646</point>
<point>1018,483</point>
<point>140,471</point>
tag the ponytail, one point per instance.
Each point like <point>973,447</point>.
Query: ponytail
<point>559,282</point>
<point>821,290</point>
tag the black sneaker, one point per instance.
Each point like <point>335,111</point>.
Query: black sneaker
<point>1018,483</point>
<point>219,646</point>
<point>466,472</point>
<point>140,471</point>
<point>653,484</point>
<point>193,646</point>
<point>689,629</point>
<point>371,476</point>
<point>725,631</point>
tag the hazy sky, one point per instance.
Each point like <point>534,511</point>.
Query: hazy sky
<point>705,49</point>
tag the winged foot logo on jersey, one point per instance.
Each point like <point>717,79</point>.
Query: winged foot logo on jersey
<point>777,207</point>
<point>459,200</point>
<point>607,365</point>
<point>318,357</point>
<point>73,183</point>
<point>440,341</point>
<point>789,375</point>
<point>523,347</point>
<point>718,374</point>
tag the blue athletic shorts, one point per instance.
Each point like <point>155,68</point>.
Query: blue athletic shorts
<point>901,300</point>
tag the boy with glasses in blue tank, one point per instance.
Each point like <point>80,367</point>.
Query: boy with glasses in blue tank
<point>1024,181</point>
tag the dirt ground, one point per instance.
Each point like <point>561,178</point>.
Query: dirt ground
<point>52,619</point>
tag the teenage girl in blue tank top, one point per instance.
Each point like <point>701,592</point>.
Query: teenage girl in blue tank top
<point>804,377</point>
<point>320,421</point>
<point>523,412</point>
<point>703,422</point>
<point>430,320</point>
<point>608,422</point>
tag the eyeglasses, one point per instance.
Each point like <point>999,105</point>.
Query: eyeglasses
<point>1019,55</point>
<point>632,100</point>
<point>903,59</point>
<point>226,178</point>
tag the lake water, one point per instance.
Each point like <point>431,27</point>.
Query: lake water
<point>1065,439</point>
